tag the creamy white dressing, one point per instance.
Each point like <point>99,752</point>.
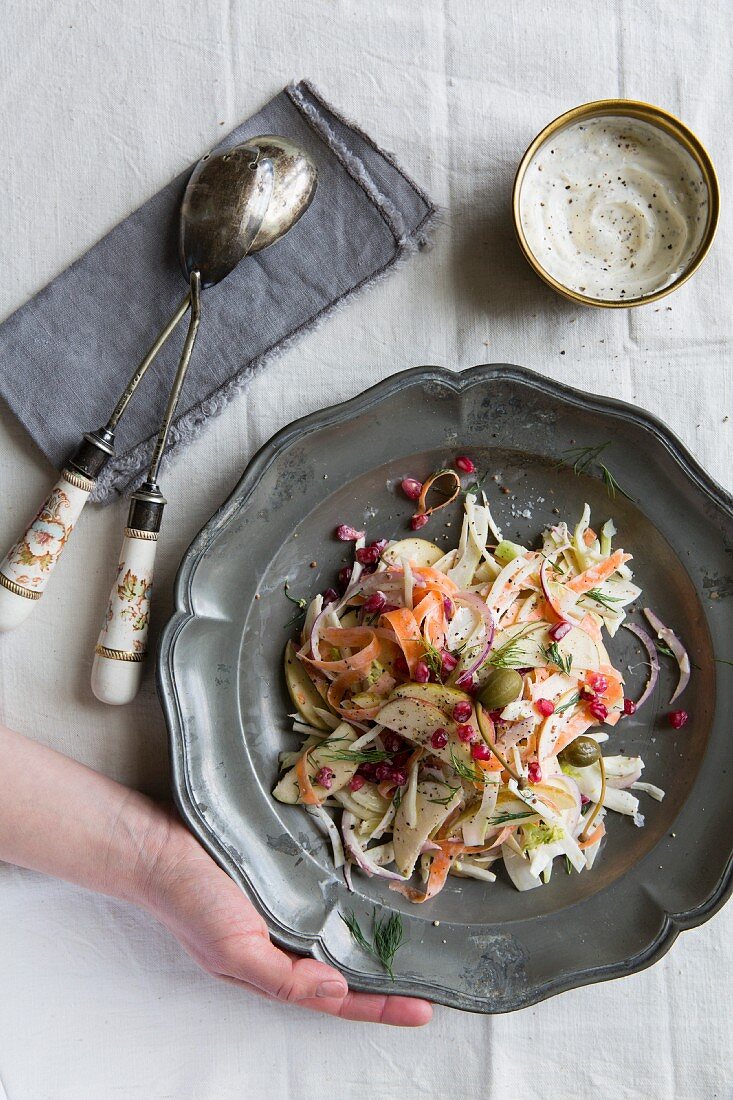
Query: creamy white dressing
<point>613,208</point>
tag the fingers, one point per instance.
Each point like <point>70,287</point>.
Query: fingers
<point>374,1008</point>
<point>312,984</point>
<point>289,978</point>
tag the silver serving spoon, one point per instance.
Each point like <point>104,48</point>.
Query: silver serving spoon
<point>236,202</point>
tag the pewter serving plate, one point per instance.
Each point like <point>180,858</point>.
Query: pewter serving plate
<point>222,691</point>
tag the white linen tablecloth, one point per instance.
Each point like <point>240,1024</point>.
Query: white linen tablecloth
<point>103,103</point>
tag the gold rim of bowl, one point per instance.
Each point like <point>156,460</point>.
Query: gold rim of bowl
<point>647,113</point>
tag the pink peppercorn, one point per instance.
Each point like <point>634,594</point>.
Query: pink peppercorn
<point>400,665</point>
<point>439,738</point>
<point>324,778</point>
<point>345,576</point>
<point>480,751</point>
<point>599,710</point>
<point>419,520</point>
<point>447,661</point>
<point>348,534</point>
<point>629,706</point>
<point>559,630</point>
<point>545,706</point>
<point>376,602</point>
<point>677,718</point>
<point>465,464</point>
<point>448,607</point>
<point>462,712</point>
<point>411,488</point>
<point>367,555</point>
<point>534,772</point>
<point>422,673</point>
<point>356,782</point>
<point>584,800</point>
<point>466,733</point>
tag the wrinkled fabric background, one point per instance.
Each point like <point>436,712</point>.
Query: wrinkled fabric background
<point>103,104</point>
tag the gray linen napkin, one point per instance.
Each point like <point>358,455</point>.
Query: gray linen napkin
<point>65,354</point>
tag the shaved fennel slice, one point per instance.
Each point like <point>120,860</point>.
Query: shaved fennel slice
<point>649,788</point>
<point>329,827</point>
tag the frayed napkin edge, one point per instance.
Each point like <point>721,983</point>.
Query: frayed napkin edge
<point>127,471</point>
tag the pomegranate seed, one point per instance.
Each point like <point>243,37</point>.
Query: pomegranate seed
<point>465,464</point>
<point>448,607</point>
<point>466,733</point>
<point>598,683</point>
<point>534,772</point>
<point>584,800</point>
<point>559,630</point>
<point>368,555</point>
<point>587,692</point>
<point>399,778</point>
<point>345,576</point>
<point>411,488</point>
<point>324,778</point>
<point>677,718</point>
<point>462,712</point>
<point>379,544</point>
<point>599,710</point>
<point>629,706</point>
<point>480,751</point>
<point>330,595</point>
<point>545,706</point>
<point>376,602</point>
<point>383,771</point>
<point>400,665</point>
<point>448,661</point>
<point>422,673</point>
<point>391,742</point>
<point>356,782</point>
<point>419,520</point>
<point>348,534</point>
<point>465,682</point>
<point>439,739</point>
<point>368,771</point>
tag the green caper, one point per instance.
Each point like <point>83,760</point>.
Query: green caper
<point>580,753</point>
<point>503,687</point>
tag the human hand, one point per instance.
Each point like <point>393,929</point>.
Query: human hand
<point>222,931</point>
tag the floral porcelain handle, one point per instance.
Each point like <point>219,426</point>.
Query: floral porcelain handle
<point>28,565</point>
<point>122,642</point>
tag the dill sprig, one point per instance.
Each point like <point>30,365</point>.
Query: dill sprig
<point>503,818</point>
<point>365,756</point>
<point>553,656</point>
<point>388,936</point>
<point>476,486</point>
<point>448,798</point>
<point>433,659</point>
<point>568,866</point>
<point>509,654</point>
<point>583,459</point>
<point>612,486</point>
<point>664,650</point>
<point>473,775</point>
<point>603,599</point>
<point>570,703</point>
<point>301,604</point>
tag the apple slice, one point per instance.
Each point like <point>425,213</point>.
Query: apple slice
<point>440,695</point>
<point>418,551</point>
<point>432,810</point>
<point>301,690</point>
<point>417,720</point>
<point>287,789</point>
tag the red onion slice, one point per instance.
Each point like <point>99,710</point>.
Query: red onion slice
<point>470,599</point>
<point>651,650</point>
<point>670,638</point>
